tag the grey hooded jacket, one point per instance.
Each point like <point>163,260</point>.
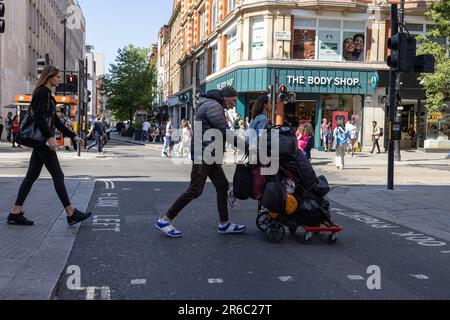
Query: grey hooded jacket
<point>211,115</point>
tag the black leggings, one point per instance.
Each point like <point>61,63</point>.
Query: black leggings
<point>40,157</point>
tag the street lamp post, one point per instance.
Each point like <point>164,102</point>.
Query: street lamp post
<point>64,22</point>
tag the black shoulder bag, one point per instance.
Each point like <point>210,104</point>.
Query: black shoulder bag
<point>29,134</point>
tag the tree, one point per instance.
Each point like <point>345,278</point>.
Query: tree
<point>437,85</point>
<point>128,85</point>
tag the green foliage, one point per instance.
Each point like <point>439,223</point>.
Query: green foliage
<point>437,85</point>
<point>129,84</point>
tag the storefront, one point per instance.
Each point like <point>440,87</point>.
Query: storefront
<point>315,94</point>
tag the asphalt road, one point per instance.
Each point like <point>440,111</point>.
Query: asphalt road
<point>126,258</point>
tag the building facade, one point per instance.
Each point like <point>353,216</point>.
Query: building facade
<point>330,54</point>
<point>34,29</point>
<point>96,69</point>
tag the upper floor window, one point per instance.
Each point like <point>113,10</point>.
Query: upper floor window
<point>257,38</point>
<point>202,67</point>
<point>231,5</point>
<point>215,14</point>
<point>232,47</point>
<point>202,25</point>
<point>329,39</point>
<point>215,59</point>
<point>416,29</point>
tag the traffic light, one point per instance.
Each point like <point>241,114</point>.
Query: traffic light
<point>40,66</point>
<point>2,15</point>
<point>424,63</point>
<point>72,83</point>
<point>283,93</point>
<point>88,96</point>
<point>403,52</point>
<point>393,44</point>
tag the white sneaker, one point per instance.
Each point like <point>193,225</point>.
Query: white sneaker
<point>231,228</point>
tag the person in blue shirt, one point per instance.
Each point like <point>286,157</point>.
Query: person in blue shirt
<point>341,137</point>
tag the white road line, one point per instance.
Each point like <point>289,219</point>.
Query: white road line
<point>215,281</point>
<point>109,185</point>
<point>90,293</point>
<point>286,279</point>
<point>157,189</point>
<point>356,277</point>
<point>420,276</point>
<point>126,189</point>
<point>136,282</point>
<point>445,252</point>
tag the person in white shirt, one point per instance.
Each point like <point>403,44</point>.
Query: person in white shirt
<point>145,129</point>
<point>353,135</point>
<point>167,148</point>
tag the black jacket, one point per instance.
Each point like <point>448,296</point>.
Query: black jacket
<point>211,114</point>
<point>43,106</point>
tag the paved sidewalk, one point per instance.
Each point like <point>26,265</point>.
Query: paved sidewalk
<point>33,258</point>
<point>421,208</point>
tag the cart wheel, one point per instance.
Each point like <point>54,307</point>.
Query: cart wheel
<point>308,236</point>
<point>333,238</point>
<point>263,220</point>
<point>275,232</point>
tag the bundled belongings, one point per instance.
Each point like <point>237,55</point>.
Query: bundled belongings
<point>293,198</point>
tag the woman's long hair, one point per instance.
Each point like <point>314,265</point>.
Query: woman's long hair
<point>258,107</point>
<point>48,73</point>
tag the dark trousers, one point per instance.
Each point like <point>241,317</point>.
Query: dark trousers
<point>1,131</point>
<point>376,144</point>
<point>199,175</point>
<point>40,157</point>
<point>98,143</point>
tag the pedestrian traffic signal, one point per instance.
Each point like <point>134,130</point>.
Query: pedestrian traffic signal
<point>40,66</point>
<point>72,83</point>
<point>283,93</point>
<point>2,15</point>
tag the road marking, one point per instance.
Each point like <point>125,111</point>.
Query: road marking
<point>286,279</point>
<point>215,281</point>
<point>356,277</point>
<point>136,282</point>
<point>109,185</point>
<point>445,252</point>
<point>157,189</point>
<point>126,189</point>
<point>420,276</point>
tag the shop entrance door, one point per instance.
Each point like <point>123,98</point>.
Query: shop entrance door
<point>305,112</point>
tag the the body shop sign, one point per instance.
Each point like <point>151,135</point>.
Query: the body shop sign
<point>323,81</point>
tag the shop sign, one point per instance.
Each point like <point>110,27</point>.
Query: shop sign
<point>228,83</point>
<point>323,81</point>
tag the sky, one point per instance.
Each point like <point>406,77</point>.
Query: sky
<point>113,24</point>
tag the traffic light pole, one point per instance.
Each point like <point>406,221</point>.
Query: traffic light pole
<point>392,104</point>
<point>274,95</point>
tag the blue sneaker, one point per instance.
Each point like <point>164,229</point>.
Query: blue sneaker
<point>231,228</point>
<point>168,229</point>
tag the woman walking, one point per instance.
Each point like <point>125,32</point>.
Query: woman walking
<point>341,138</point>
<point>43,106</point>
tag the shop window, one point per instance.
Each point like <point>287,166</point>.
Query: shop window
<point>329,40</point>
<point>304,44</point>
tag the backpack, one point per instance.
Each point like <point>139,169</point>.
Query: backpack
<point>381,132</point>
